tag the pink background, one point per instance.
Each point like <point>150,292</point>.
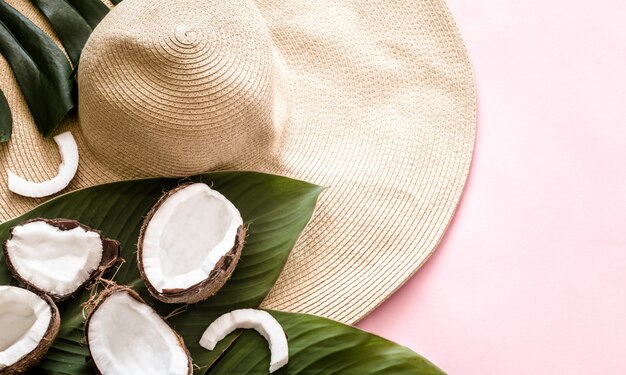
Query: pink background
<point>531,276</point>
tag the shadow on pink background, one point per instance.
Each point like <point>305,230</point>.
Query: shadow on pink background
<point>531,276</point>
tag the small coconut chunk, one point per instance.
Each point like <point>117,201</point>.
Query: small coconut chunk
<point>67,170</point>
<point>58,256</point>
<point>259,320</point>
<point>126,336</point>
<point>190,244</point>
<point>28,325</point>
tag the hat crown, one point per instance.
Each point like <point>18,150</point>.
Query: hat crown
<point>178,88</point>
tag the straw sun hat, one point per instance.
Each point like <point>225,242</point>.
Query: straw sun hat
<point>373,99</point>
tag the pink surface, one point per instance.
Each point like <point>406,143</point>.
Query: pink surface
<point>531,276</point>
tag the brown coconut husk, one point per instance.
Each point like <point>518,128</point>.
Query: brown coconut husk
<point>31,359</point>
<point>110,255</point>
<point>204,289</point>
<point>92,306</point>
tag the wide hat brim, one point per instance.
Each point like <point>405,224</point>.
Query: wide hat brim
<point>381,104</point>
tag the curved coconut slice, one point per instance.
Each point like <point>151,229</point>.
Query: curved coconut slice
<point>126,336</point>
<point>67,171</point>
<point>58,256</point>
<point>28,325</point>
<point>189,244</point>
<point>259,320</point>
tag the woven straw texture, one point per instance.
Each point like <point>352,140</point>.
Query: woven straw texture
<point>374,100</point>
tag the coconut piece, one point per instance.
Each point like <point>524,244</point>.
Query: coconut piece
<point>67,170</point>
<point>126,336</point>
<point>259,320</point>
<point>28,324</point>
<point>58,256</point>
<point>189,244</point>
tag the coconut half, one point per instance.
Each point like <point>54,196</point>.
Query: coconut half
<point>58,256</point>
<point>28,325</point>
<point>126,336</point>
<point>259,320</point>
<point>189,244</point>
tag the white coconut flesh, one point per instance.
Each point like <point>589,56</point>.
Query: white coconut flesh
<point>67,170</point>
<point>187,235</point>
<point>259,320</point>
<point>126,336</point>
<point>53,260</point>
<point>24,320</point>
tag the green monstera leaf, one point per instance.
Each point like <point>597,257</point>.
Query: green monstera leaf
<point>43,73</point>
<point>276,210</point>
<point>72,21</point>
<point>93,11</point>
<point>6,120</point>
<point>41,69</point>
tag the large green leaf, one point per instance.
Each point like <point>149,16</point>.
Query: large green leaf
<point>6,120</point>
<point>68,24</point>
<point>40,67</point>
<point>276,209</point>
<point>93,11</point>
<point>322,346</point>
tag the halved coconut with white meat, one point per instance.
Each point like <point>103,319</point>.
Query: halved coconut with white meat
<point>126,336</point>
<point>189,244</point>
<point>58,256</point>
<point>259,320</point>
<point>28,325</point>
